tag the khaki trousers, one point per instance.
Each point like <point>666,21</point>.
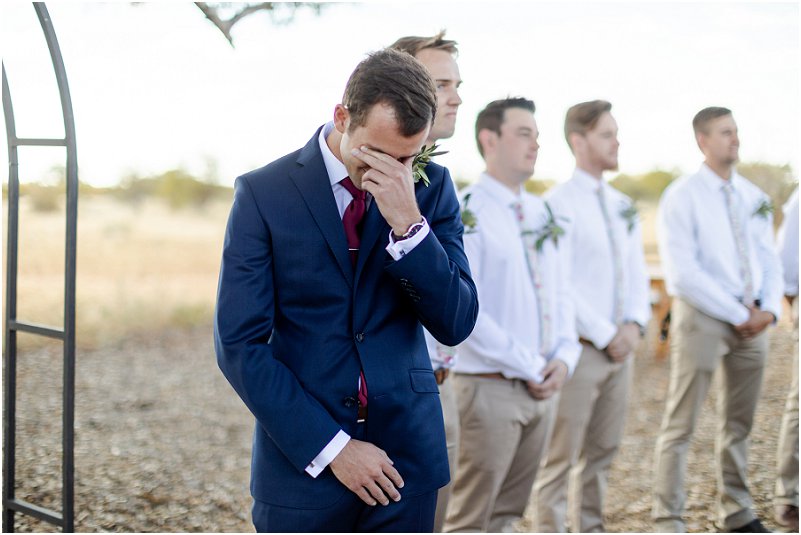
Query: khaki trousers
<point>504,433</point>
<point>586,437</point>
<point>699,345</point>
<point>786,491</point>
<point>450,412</point>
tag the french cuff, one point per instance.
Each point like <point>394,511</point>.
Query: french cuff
<point>738,315</point>
<point>601,335</point>
<point>399,249</point>
<point>328,454</point>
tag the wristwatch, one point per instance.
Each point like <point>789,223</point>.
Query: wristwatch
<point>411,231</point>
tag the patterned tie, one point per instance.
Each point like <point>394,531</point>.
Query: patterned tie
<point>352,221</point>
<point>617,313</point>
<point>543,307</point>
<point>741,244</point>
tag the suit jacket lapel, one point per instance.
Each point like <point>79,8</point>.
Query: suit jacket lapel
<point>374,227</point>
<point>314,185</point>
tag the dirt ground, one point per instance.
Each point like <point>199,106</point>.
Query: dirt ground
<point>163,442</point>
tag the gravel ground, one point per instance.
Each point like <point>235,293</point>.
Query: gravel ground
<point>163,442</point>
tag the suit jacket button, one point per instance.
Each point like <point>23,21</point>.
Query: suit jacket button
<point>349,402</point>
<point>359,337</point>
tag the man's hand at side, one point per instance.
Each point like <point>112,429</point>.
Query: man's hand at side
<point>367,471</point>
<point>624,342</point>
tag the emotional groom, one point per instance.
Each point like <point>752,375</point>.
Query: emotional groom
<point>333,258</point>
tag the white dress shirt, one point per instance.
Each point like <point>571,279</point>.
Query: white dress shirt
<point>788,245</point>
<point>506,337</point>
<point>336,173</point>
<point>589,252</point>
<point>698,250</point>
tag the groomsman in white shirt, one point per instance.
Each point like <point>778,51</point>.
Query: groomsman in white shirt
<point>524,344</point>
<point>439,57</point>
<point>603,244</point>
<point>785,497</point>
<point>721,267</point>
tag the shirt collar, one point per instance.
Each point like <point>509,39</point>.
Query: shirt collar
<point>587,181</point>
<point>715,182</point>
<point>498,190</point>
<point>336,169</point>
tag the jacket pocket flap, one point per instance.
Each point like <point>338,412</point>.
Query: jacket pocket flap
<point>423,381</point>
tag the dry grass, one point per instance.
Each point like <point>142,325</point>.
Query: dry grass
<point>141,268</point>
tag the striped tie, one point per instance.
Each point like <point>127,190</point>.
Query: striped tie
<point>741,245</point>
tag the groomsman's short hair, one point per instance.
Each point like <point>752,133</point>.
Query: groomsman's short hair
<point>397,79</point>
<point>583,117</point>
<point>705,116</point>
<point>413,44</point>
<point>491,117</point>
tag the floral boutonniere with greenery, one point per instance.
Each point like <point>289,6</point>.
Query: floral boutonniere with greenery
<point>551,230</point>
<point>630,214</point>
<point>469,219</point>
<point>423,159</point>
<point>764,208</point>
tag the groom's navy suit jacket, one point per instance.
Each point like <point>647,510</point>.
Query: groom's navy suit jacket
<point>295,322</point>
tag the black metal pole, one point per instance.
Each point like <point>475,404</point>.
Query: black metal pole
<point>68,489</point>
<point>10,349</point>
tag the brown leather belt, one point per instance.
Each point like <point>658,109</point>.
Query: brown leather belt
<point>361,416</point>
<point>585,341</point>
<point>495,375</point>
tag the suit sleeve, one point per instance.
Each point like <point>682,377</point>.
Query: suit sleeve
<point>437,275</point>
<point>243,326</point>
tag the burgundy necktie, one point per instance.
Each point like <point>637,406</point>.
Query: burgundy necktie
<point>352,221</point>
<point>352,218</point>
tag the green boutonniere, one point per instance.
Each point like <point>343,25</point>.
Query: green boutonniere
<point>420,162</point>
<point>764,208</point>
<point>549,231</point>
<point>469,219</point>
<point>630,214</point>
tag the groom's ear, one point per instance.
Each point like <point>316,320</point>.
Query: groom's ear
<point>341,118</point>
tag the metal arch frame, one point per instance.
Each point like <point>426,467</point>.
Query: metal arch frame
<point>11,505</point>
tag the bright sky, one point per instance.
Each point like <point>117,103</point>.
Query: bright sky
<point>156,86</point>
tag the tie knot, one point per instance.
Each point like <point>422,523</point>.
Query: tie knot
<point>352,189</point>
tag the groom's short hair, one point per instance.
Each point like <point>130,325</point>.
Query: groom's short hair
<point>398,80</point>
<point>413,44</point>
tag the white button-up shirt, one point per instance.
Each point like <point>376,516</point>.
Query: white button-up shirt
<point>587,246</point>
<point>698,250</point>
<point>506,337</point>
<point>788,245</point>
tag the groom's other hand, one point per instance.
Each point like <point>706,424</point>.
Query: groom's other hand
<point>368,472</point>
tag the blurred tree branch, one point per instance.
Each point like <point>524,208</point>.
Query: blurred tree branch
<point>225,14</point>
